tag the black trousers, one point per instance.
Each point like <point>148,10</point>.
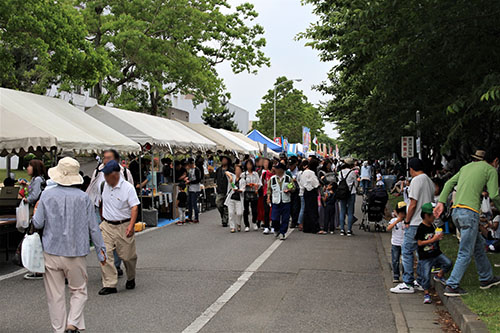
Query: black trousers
<point>295,209</point>
<point>247,205</point>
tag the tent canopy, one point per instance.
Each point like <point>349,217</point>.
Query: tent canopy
<point>223,143</point>
<point>29,121</point>
<point>257,136</point>
<point>248,148</point>
<point>259,146</point>
<point>161,133</point>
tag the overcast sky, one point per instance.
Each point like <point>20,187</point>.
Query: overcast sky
<point>282,20</point>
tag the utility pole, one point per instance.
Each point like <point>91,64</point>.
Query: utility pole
<point>419,140</point>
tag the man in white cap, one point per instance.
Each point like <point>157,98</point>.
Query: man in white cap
<point>67,218</point>
<point>119,207</point>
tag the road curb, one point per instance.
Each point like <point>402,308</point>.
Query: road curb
<point>468,321</point>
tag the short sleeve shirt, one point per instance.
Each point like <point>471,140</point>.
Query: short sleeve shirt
<point>421,189</point>
<point>117,202</point>
<point>428,251</point>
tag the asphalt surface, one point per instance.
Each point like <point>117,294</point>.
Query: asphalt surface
<point>311,283</point>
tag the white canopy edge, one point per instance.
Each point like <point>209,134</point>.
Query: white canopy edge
<point>160,133</point>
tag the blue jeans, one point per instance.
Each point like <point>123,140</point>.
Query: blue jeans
<point>425,267</point>
<point>117,260</point>
<point>347,205</point>
<point>280,215</point>
<point>365,184</point>
<point>471,244</point>
<point>395,256</point>
<point>302,207</point>
<point>193,204</point>
<point>407,250</point>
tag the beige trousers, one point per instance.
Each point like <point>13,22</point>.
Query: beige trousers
<point>75,270</point>
<point>115,238</point>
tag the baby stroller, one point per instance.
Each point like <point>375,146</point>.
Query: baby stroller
<point>373,209</point>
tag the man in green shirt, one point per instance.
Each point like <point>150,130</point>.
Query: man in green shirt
<point>470,182</point>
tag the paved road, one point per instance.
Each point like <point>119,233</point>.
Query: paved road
<point>310,283</point>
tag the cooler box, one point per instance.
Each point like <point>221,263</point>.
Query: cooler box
<point>150,217</point>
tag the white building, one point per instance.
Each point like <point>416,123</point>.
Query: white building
<point>83,100</point>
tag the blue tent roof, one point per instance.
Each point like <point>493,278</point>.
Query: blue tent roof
<point>259,137</point>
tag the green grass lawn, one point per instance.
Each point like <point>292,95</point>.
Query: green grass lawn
<point>19,174</point>
<point>486,303</point>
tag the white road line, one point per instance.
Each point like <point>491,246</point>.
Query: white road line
<point>213,309</point>
<point>15,273</point>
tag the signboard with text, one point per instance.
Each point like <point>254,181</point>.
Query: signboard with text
<point>407,147</point>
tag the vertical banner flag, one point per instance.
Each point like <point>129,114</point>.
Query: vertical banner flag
<point>285,144</point>
<point>306,139</point>
<point>277,140</point>
<point>315,141</point>
<point>337,153</point>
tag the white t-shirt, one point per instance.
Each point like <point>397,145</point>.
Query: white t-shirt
<point>352,180</point>
<point>397,233</point>
<point>421,189</point>
<point>117,202</point>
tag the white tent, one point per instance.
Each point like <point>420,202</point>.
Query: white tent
<point>245,145</point>
<point>161,133</point>
<point>29,121</point>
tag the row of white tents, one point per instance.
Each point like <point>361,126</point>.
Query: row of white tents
<point>32,122</point>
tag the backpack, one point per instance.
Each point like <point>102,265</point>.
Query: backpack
<point>343,190</point>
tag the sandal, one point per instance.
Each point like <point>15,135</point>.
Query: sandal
<point>233,231</point>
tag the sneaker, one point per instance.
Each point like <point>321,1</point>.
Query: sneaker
<point>497,265</point>
<point>441,280</point>
<point>180,223</point>
<point>402,288</point>
<point>283,237</point>
<point>233,231</point>
<point>427,299</point>
<point>454,292</point>
<point>435,270</point>
<point>119,271</point>
<point>495,281</point>
<point>272,230</point>
<point>107,291</point>
<point>255,227</point>
<point>349,233</point>
<point>33,276</point>
<point>417,286</point>
<point>196,221</point>
<point>266,231</point>
<point>247,229</point>
<point>224,225</point>
<point>342,233</point>
<point>276,234</point>
<point>332,232</point>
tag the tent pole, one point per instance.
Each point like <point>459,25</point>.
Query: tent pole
<point>140,185</point>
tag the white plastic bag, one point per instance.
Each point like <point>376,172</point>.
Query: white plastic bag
<point>32,253</point>
<point>22,216</point>
<point>486,206</point>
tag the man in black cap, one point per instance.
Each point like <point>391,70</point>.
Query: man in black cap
<point>222,183</point>
<point>279,194</point>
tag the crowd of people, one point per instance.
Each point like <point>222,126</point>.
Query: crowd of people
<point>268,194</point>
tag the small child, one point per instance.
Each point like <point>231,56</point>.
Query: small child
<point>429,254</point>
<point>330,204</point>
<point>396,225</point>
<point>182,203</point>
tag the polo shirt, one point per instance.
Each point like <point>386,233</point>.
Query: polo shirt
<point>117,202</point>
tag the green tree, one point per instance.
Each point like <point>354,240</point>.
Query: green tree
<point>217,115</point>
<point>293,111</point>
<point>166,47</point>
<point>396,57</point>
<point>43,43</point>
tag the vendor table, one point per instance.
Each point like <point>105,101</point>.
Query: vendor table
<point>7,226</point>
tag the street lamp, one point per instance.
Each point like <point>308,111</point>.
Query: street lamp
<point>276,86</point>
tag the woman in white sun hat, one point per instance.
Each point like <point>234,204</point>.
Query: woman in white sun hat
<point>67,217</point>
